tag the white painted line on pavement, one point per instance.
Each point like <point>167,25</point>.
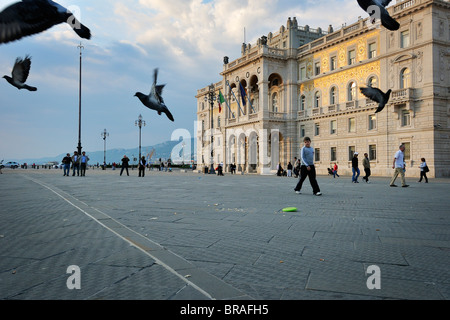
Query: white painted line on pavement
<point>60,194</point>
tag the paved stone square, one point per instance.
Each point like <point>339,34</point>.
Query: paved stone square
<point>192,236</point>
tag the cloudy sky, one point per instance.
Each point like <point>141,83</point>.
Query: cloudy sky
<point>185,39</point>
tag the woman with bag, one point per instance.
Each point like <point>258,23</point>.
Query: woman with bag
<point>423,170</point>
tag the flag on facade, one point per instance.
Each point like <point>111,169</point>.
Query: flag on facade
<point>242,94</point>
<point>221,100</point>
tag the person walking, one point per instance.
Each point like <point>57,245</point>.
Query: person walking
<point>67,160</point>
<point>366,165</point>
<point>399,167</point>
<point>355,168</point>
<point>142,164</point>
<point>423,170</point>
<point>83,163</point>
<point>335,169</point>
<point>125,161</point>
<point>307,168</point>
<point>75,163</point>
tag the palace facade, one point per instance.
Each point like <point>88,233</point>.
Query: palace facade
<point>302,82</point>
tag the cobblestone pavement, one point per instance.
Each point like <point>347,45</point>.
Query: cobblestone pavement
<point>191,236</point>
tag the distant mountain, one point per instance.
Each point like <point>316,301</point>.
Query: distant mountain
<point>165,150</point>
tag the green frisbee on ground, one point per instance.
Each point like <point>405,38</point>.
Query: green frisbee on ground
<point>290,209</point>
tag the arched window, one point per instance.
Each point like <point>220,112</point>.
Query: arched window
<point>405,78</point>
<point>275,102</point>
<point>317,99</point>
<point>302,102</point>
<point>351,91</point>
<point>372,82</point>
<point>333,95</point>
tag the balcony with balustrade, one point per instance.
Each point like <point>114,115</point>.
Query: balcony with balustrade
<point>401,97</point>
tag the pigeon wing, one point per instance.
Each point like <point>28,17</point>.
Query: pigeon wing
<point>364,4</point>
<point>159,90</point>
<point>155,76</point>
<point>26,18</point>
<point>21,70</point>
<point>388,22</point>
<point>380,107</point>
<point>385,3</point>
<point>374,94</point>
<point>168,114</point>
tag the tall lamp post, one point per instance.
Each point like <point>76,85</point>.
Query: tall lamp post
<point>139,123</point>
<point>104,134</point>
<point>80,46</point>
<point>211,97</point>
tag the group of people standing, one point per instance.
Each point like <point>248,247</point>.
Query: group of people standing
<point>78,162</point>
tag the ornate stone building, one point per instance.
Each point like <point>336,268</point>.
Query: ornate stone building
<point>305,82</point>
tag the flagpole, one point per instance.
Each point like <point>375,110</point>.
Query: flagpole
<point>248,98</point>
<point>225,100</point>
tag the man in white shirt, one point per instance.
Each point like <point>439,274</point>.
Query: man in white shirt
<point>399,167</point>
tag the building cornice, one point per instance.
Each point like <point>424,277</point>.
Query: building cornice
<point>355,30</point>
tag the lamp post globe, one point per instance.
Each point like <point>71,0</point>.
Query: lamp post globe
<point>139,123</point>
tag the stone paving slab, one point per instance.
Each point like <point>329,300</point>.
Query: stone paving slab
<point>191,236</point>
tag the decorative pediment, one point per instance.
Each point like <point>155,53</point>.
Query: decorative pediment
<point>404,57</point>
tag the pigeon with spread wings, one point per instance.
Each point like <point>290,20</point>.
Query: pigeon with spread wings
<point>376,95</point>
<point>28,17</point>
<point>372,6</point>
<point>154,100</point>
<point>20,74</point>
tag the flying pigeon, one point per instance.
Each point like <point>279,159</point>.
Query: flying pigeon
<point>154,100</point>
<point>386,20</point>
<point>376,95</point>
<point>20,73</point>
<point>28,17</point>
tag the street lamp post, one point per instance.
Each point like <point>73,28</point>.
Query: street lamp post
<point>211,97</point>
<point>104,134</point>
<point>81,47</point>
<point>139,123</point>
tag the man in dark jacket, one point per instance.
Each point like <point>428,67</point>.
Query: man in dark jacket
<point>67,160</point>
<point>366,165</point>
<point>125,161</point>
<point>76,163</point>
<point>355,168</point>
